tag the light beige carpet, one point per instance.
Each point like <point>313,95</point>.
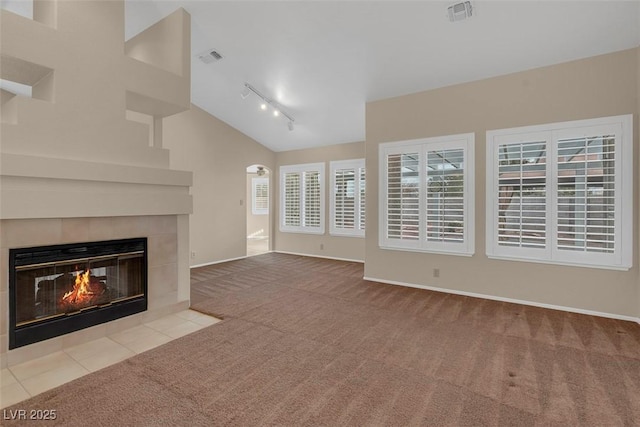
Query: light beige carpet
<point>307,342</point>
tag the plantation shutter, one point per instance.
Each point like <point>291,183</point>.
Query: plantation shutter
<point>302,198</point>
<point>260,204</point>
<point>427,201</point>
<point>345,208</point>
<point>292,199</point>
<point>312,199</point>
<point>563,193</point>
<point>586,194</point>
<point>403,196</point>
<point>445,195</point>
<point>361,174</point>
<point>522,180</point>
<point>347,197</point>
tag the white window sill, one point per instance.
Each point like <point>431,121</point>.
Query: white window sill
<point>560,263</point>
<point>339,234</point>
<point>428,251</point>
<point>317,232</point>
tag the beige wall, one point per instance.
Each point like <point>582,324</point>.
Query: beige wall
<point>75,141</point>
<point>257,225</point>
<point>72,166</point>
<point>218,156</point>
<point>351,248</point>
<point>82,117</point>
<point>595,87</point>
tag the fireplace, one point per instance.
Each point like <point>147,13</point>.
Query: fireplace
<point>55,290</point>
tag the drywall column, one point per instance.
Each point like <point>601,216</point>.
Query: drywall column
<point>184,273</point>
<point>157,132</point>
<point>637,161</point>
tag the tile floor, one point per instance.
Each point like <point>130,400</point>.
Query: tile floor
<point>257,246</point>
<point>19,382</point>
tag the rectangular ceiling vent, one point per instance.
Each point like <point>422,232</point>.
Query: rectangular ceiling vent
<point>209,56</point>
<point>460,11</point>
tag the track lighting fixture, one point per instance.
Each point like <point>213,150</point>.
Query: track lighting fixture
<point>267,102</point>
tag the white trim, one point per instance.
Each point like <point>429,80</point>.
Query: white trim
<point>427,251</point>
<point>357,236</point>
<point>560,263</point>
<point>509,300</point>
<point>320,256</point>
<point>217,262</point>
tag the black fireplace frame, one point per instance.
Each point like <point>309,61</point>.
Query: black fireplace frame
<point>49,328</point>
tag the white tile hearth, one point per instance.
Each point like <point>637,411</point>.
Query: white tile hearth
<point>24,380</point>
<point>140,338</point>
<point>98,354</point>
<point>11,391</point>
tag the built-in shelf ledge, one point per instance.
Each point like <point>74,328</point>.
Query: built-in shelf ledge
<point>19,165</point>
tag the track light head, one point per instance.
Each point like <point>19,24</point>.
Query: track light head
<point>267,102</point>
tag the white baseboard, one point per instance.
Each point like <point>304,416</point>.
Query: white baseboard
<point>217,262</point>
<point>510,300</point>
<point>320,256</point>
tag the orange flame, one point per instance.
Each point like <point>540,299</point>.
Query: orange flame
<point>81,291</point>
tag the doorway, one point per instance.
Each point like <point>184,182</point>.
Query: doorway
<point>258,209</point>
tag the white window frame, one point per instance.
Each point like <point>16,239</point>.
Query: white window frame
<point>254,195</point>
<point>622,257</point>
<point>466,142</point>
<point>301,169</point>
<point>356,165</point>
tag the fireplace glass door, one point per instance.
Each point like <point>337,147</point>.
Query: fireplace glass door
<point>63,288</point>
<point>60,289</point>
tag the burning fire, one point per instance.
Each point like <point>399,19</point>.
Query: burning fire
<point>84,291</point>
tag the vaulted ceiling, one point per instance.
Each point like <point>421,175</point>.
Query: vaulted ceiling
<point>322,61</point>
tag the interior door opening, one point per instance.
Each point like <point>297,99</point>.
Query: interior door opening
<point>258,209</point>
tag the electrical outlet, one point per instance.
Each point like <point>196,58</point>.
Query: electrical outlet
<point>321,246</point>
<point>436,272</point>
<point>193,255</point>
<point>241,202</point>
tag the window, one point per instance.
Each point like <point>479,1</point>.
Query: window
<point>260,196</point>
<point>426,195</point>
<point>347,197</point>
<point>562,193</point>
<point>302,198</point>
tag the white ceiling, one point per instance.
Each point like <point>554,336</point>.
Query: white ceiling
<point>323,60</point>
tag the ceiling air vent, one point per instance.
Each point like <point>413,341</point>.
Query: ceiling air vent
<point>460,11</point>
<point>209,56</point>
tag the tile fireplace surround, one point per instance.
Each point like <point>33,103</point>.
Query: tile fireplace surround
<point>167,291</point>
